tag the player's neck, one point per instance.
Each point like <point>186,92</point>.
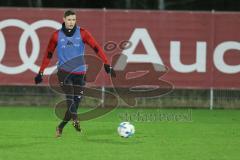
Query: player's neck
<point>68,32</point>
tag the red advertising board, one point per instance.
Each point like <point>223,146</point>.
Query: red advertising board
<point>200,49</point>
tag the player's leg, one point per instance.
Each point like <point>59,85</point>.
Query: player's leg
<point>68,115</point>
<point>78,89</point>
<point>65,83</point>
<point>74,108</point>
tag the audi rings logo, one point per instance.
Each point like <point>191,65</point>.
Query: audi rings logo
<point>29,31</point>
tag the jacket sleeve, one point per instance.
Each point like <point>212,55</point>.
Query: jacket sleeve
<point>49,51</point>
<point>89,39</point>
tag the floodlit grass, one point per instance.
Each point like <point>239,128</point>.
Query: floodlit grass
<point>167,134</point>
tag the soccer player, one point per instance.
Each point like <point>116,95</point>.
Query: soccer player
<point>70,42</point>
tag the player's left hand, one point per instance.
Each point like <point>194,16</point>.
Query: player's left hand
<point>38,78</point>
<point>109,69</point>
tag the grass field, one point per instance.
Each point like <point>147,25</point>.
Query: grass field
<point>28,133</point>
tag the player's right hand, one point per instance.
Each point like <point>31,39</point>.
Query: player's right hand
<point>109,69</point>
<point>38,78</point>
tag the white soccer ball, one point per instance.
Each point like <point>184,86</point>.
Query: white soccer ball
<point>126,129</point>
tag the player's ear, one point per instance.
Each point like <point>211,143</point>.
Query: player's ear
<point>64,19</point>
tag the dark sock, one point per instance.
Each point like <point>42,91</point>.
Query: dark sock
<point>72,103</point>
<point>62,124</point>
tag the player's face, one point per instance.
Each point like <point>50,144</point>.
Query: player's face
<point>70,21</point>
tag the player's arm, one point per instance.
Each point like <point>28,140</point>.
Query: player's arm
<point>47,56</point>
<point>89,39</point>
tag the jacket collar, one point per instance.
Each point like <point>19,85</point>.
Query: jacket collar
<point>68,32</point>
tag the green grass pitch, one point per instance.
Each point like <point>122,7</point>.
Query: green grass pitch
<point>29,133</point>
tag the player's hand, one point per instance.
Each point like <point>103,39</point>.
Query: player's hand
<point>38,78</point>
<point>109,69</point>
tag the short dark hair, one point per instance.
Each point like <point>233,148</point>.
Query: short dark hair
<point>68,13</point>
